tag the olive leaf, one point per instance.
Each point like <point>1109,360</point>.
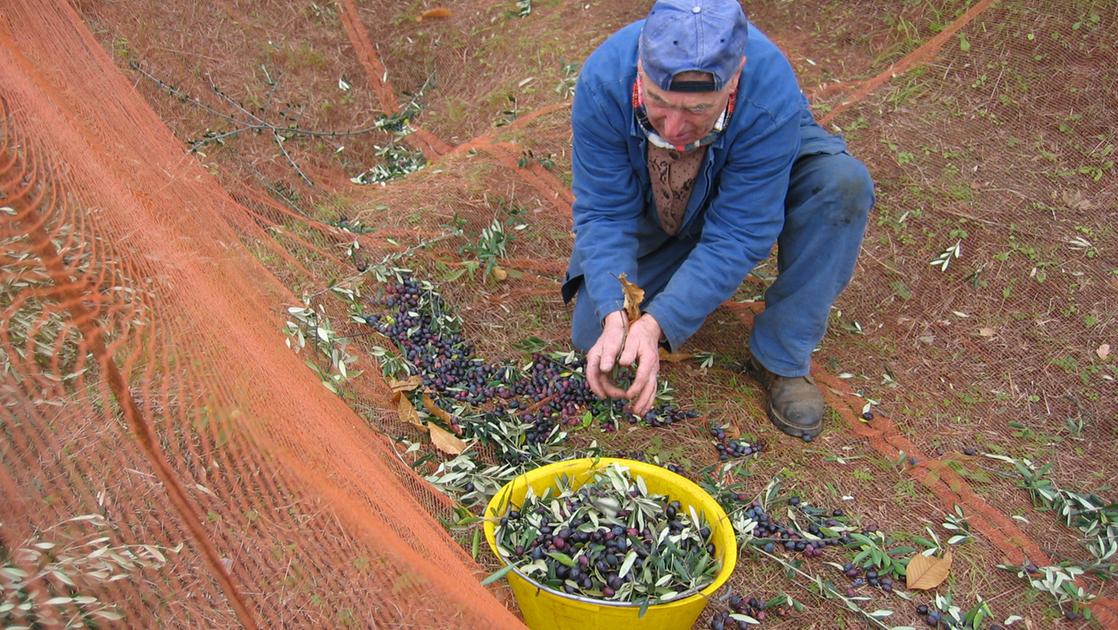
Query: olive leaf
<point>563,558</point>
<point>627,564</point>
<point>927,572</point>
<point>634,295</point>
<point>498,574</point>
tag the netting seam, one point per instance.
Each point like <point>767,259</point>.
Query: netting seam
<point>432,146</point>
<point>943,482</point>
<point>925,52</point>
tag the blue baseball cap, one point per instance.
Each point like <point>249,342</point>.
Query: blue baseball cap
<point>693,35</point>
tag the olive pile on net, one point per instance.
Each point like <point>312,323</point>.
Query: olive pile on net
<point>429,338</point>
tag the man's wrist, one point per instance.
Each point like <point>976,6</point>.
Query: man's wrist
<point>651,321</point>
<point>617,316</point>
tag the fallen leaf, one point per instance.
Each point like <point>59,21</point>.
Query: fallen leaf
<point>437,411</point>
<point>986,332</point>
<point>445,441</point>
<point>674,357</point>
<point>1074,200</point>
<point>499,274</point>
<point>927,572</point>
<point>407,385</point>
<point>406,411</point>
<point>439,12</point>
<point>1103,351</point>
<point>634,295</point>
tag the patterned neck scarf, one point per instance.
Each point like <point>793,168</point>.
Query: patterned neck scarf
<point>658,140</point>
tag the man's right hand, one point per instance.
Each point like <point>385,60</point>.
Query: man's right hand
<point>602,357</point>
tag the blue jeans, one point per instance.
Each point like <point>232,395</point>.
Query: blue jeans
<point>829,198</point>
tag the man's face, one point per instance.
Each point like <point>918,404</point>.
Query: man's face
<point>685,117</point>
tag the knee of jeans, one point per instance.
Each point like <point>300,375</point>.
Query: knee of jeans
<point>848,188</point>
<point>582,340</point>
<point>584,330</point>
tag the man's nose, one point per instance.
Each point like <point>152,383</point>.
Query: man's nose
<point>674,124</point>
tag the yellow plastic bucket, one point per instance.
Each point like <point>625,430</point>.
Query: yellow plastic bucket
<point>544,608</point>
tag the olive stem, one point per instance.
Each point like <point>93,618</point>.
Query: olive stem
<point>850,604</point>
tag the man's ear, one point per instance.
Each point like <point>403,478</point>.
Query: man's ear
<point>737,75</point>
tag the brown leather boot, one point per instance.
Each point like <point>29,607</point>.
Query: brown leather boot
<point>795,403</point>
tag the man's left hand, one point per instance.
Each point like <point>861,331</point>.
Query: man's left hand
<point>642,347</point>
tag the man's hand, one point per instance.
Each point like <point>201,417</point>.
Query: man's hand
<point>602,357</point>
<point>640,346</point>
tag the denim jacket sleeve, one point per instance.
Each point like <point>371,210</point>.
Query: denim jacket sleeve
<point>741,224</point>
<point>608,204</point>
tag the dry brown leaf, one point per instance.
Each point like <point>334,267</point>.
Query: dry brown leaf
<point>407,385</point>
<point>536,406</point>
<point>1074,200</point>
<point>439,12</point>
<point>634,295</point>
<point>499,274</point>
<point>986,332</point>
<point>406,411</point>
<point>1103,351</point>
<point>673,357</point>
<point>927,572</point>
<point>437,411</point>
<point>445,441</point>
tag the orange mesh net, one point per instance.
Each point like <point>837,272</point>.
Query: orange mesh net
<point>175,178</point>
<point>149,383</point>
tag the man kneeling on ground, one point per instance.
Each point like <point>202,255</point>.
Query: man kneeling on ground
<point>695,150</point>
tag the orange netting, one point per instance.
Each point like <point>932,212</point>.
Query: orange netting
<point>146,381</point>
<point>169,455</point>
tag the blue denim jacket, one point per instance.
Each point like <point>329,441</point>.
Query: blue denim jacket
<point>736,210</point>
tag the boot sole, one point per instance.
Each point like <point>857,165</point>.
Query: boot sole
<point>794,430</point>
